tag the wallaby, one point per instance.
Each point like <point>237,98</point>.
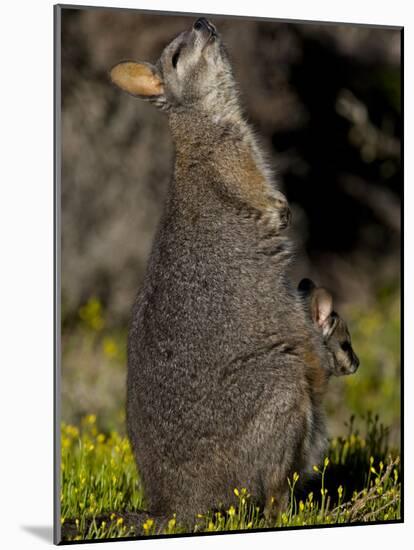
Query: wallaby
<point>334,329</point>
<point>220,346</point>
<point>318,304</point>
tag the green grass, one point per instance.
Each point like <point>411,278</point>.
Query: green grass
<point>359,481</point>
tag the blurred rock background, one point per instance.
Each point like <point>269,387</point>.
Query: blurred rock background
<point>326,103</point>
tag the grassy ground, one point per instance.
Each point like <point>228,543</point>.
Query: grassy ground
<point>101,496</point>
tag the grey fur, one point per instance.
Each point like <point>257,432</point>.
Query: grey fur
<point>225,368</point>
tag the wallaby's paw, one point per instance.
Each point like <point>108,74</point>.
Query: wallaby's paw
<point>276,218</point>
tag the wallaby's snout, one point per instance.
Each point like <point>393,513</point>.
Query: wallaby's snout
<point>204,26</point>
<point>354,363</point>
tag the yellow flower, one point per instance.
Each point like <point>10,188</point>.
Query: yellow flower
<point>295,477</point>
<point>171,524</point>
<point>315,469</point>
<point>231,511</point>
<point>100,438</point>
<point>103,525</point>
<point>91,419</point>
<point>119,521</point>
<point>112,517</point>
<point>62,520</point>
<point>340,491</point>
<point>236,492</point>
<point>71,431</point>
<point>110,348</point>
<point>148,524</point>
<point>91,314</point>
<point>301,505</point>
<point>326,462</point>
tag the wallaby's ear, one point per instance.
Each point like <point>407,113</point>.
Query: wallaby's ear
<point>321,305</point>
<point>138,79</point>
<point>329,326</point>
<point>306,286</point>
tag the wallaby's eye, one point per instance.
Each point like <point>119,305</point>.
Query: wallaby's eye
<point>175,57</point>
<point>346,346</point>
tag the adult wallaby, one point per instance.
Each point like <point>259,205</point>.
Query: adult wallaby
<point>220,346</point>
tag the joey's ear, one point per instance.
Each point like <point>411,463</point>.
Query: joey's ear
<point>329,326</point>
<point>321,305</point>
<point>138,79</point>
<point>306,286</point>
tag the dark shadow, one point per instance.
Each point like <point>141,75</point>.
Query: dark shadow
<point>43,532</point>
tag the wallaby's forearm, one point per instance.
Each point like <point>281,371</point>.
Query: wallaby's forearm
<point>225,155</point>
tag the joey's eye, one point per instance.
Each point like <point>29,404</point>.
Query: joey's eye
<point>346,346</point>
<point>175,57</point>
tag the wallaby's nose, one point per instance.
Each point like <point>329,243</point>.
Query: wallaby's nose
<point>354,363</point>
<point>202,23</point>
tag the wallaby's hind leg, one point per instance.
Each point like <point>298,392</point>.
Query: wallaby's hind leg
<point>277,500</point>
